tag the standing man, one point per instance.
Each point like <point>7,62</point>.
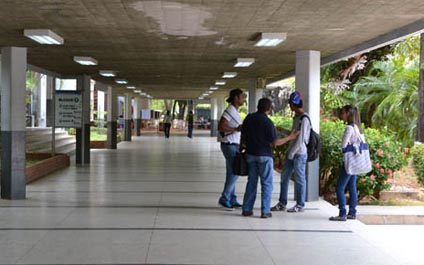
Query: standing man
<point>259,135</point>
<point>229,127</point>
<point>190,121</point>
<point>296,158</point>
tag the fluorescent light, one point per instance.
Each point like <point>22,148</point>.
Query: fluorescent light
<point>229,75</point>
<point>220,82</point>
<point>137,91</point>
<point>85,60</point>
<point>244,62</point>
<point>271,39</point>
<point>43,36</point>
<point>131,87</point>
<point>107,73</point>
<point>205,94</point>
<point>209,92</point>
<point>121,81</point>
<point>213,88</point>
<point>143,93</point>
<point>201,98</point>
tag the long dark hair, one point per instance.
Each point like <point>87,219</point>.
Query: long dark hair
<point>353,115</point>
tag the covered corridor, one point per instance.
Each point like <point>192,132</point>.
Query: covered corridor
<point>154,201</point>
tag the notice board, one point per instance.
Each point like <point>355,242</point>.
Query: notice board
<point>68,109</point>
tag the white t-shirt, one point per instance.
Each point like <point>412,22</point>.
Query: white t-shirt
<point>232,115</point>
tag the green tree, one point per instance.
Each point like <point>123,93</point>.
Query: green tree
<point>388,96</point>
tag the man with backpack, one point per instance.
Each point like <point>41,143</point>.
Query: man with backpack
<point>296,158</point>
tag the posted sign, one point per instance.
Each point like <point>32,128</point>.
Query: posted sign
<point>68,109</point>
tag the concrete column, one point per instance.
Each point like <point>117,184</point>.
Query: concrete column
<point>13,84</point>
<point>112,116</point>
<point>255,94</point>
<point>308,83</point>
<point>83,134</point>
<point>137,115</point>
<point>127,118</point>
<point>49,104</point>
<point>42,102</point>
<point>214,117</point>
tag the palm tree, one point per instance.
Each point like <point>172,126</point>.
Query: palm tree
<point>389,96</point>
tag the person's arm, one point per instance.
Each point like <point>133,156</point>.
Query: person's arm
<point>282,130</point>
<point>223,126</point>
<point>349,131</point>
<point>284,140</point>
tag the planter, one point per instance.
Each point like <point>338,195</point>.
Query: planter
<point>102,144</point>
<point>47,165</point>
<point>98,144</point>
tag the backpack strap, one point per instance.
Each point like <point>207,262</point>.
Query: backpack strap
<point>300,123</point>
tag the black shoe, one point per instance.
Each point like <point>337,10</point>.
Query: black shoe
<point>236,204</point>
<point>278,207</point>
<point>338,218</point>
<point>351,217</point>
<point>266,215</point>
<point>247,213</point>
<point>226,205</point>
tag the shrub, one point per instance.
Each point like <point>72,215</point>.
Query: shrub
<point>386,156</point>
<point>418,162</point>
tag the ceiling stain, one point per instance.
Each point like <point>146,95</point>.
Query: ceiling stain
<point>175,18</point>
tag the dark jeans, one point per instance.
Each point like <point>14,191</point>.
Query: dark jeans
<point>167,128</point>
<point>190,131</point>
<point>349,182</point>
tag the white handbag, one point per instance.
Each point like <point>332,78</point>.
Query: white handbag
<point>356,157</point>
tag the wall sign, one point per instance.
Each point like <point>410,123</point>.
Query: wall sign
<point>68,109</point>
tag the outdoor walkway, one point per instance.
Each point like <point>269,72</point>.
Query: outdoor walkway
<point>154,201</point>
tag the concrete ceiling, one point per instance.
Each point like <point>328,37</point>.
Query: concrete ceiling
<point>177,49</point>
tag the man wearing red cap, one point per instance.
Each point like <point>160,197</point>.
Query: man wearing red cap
<point>296,157</point>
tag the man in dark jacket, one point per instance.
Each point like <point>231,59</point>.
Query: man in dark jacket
<point>259,135</point>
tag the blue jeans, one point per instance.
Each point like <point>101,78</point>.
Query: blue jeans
<point>229,193</point>
<point>259,167</point>
<point>346,181</point>
<point>298,167</point>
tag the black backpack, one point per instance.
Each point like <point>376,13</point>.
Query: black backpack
<point>314,145</point>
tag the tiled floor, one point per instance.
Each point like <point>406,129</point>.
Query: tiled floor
<point>154,201</point>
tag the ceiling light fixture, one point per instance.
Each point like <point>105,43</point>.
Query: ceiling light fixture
<point>43,36</point>
<point>229,75</point>
<point>213,88</point>
<point>244,62</point>
<point>220,82</point>
<point>131,87</point>
<point>271,39</point>
<point>121,81</point>
<point>85,60</point>
<point>137,91</point>
<point>107,73</point>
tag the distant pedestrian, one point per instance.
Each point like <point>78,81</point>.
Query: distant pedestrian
<point>167,121</point>
<point>352,135</point>
<point>190,124</point>
<point>258,135</point>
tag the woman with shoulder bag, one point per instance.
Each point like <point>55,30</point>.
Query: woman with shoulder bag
<point>352,136</point>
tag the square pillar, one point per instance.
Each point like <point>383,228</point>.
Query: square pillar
<point>214,117</point>
<point>13,90</point>
<point>112,124</point>
<point>127,118</point>
<point>255,94</point>
<point>308,83</point>
<point>137,115</point>
<point>83,134</point>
